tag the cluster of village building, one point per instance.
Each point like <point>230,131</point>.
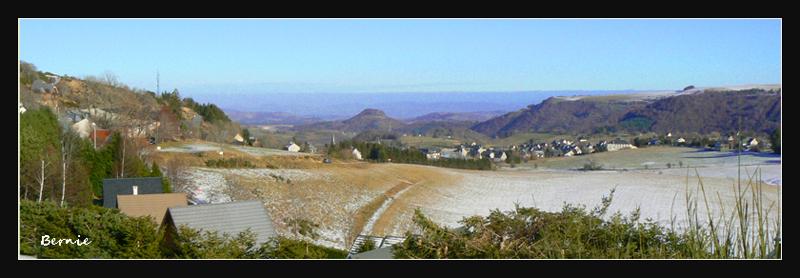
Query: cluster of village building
<point>471,151</point>
<point>527,151</point>
<point>567,148</point>
<point>748,144</point>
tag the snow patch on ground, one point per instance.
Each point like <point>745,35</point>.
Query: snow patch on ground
<point>774,181</point>
<point>769,173</point>
<point>292,174</point>
<point>208,186</point>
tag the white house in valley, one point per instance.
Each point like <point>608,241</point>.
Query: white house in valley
<point>752,142</point>
<point>617,145</point>
<point>292,147</point>
<point>239,140</point>
<point>499,156</point>
<point>357,154</point>
<point>432,153</point>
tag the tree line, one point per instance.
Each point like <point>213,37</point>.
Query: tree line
<point>56,164</point>
<point>389,152</point>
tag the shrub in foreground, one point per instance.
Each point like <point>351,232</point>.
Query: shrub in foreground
<point>116,235</point>
<point>287,248</point>
<point>229,163</point>
<point>576,233</point>
<point>112,234</point>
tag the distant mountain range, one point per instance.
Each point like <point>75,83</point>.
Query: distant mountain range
<point>276,118</point>
<point>692,110</point>
<point>338,106</point>
<point>283,118</point>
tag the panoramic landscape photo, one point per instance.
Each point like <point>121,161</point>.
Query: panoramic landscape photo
<point>400,139</point>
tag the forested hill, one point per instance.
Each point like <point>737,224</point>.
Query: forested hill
<point>368,119</point>
<point>710,111</point>
<point>701,111</point>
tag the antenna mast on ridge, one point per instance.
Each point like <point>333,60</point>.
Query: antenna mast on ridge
<point>158,82</point>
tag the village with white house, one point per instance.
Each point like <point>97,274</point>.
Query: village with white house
<point>581,146</point>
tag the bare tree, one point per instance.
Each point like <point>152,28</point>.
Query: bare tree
<point>42,178</point>
<point>29,172</point>
<point>125,118</point>
<point>175,172</point>
<point>169,127</point>
<point>68,141</point>
<point>27,72</point>
<point>109,78</point>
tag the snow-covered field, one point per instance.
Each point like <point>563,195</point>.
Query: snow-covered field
<point>673,160</point>
<point>331,194</point>
<point>659,196</point>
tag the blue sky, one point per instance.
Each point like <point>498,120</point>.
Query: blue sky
<point>254,56</point>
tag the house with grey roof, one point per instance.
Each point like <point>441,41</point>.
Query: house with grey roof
<point>224,218</point>
<point>129,186</point>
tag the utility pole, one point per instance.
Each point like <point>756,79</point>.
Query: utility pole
<point>158,82</point>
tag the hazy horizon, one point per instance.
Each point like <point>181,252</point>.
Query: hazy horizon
<point>395,104</point>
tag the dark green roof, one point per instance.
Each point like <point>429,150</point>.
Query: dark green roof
<point>114,187</point>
